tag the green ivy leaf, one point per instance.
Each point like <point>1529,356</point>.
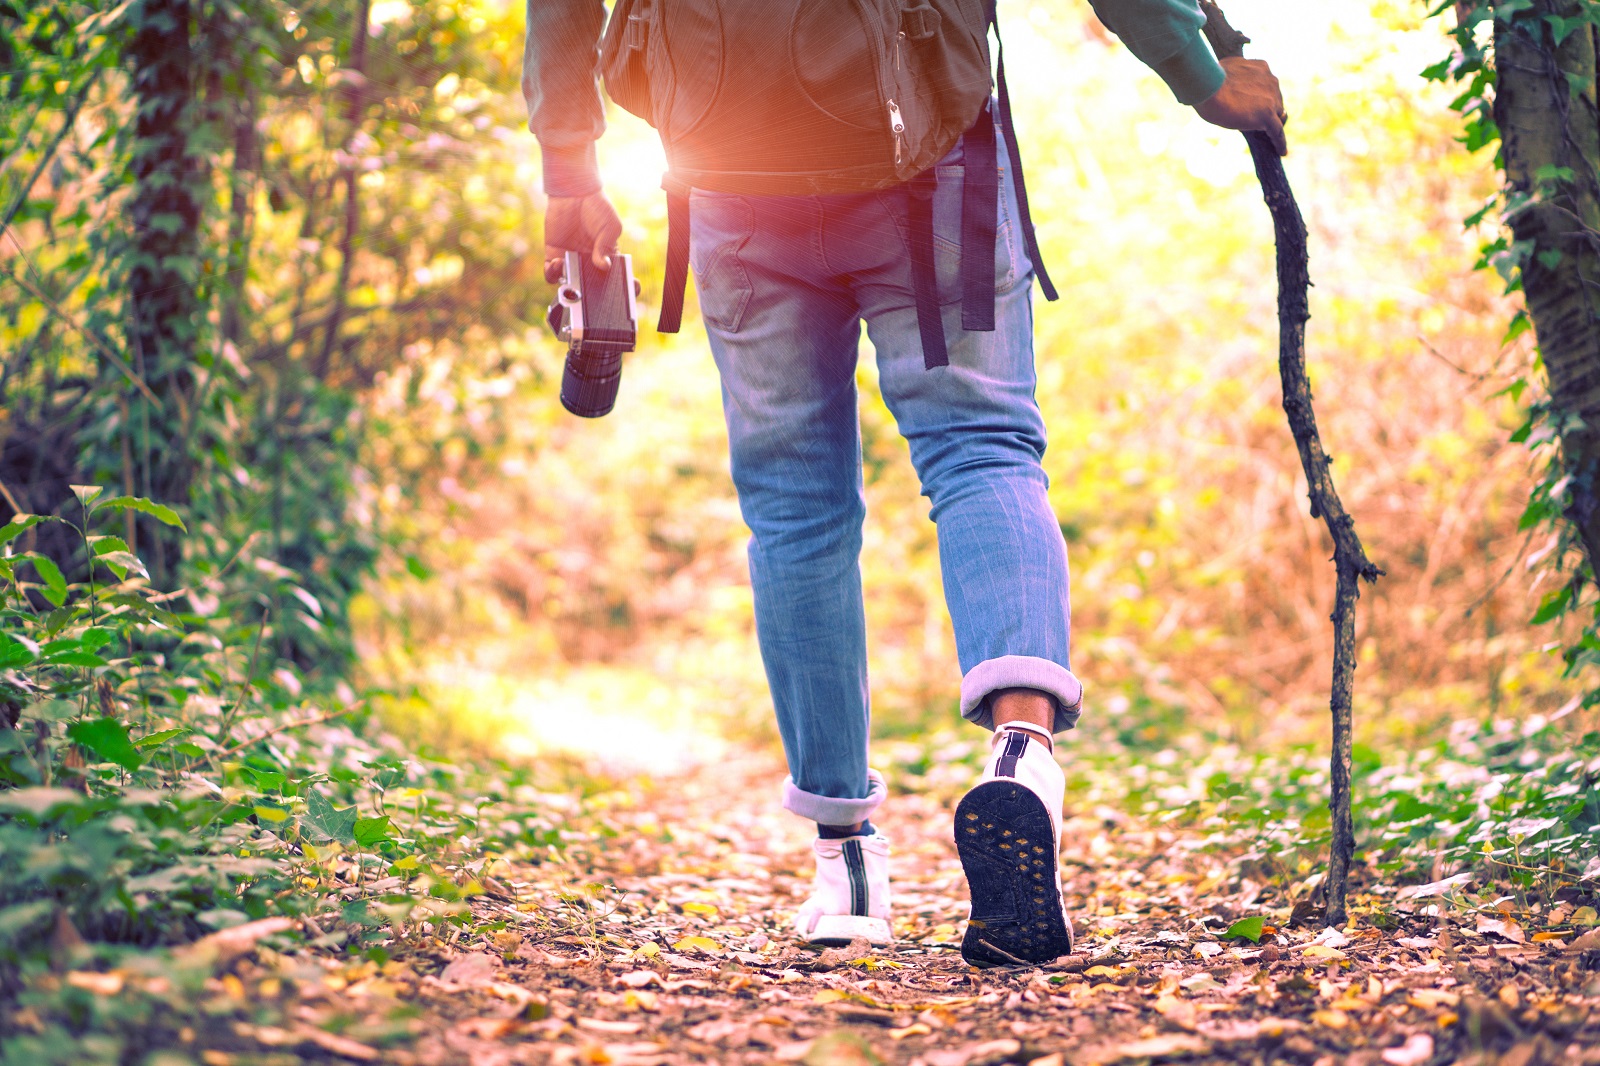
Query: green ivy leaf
<point>160,512</point>
<point>329,821</point>
<point>370,832</point>
<point>1247,929</point>
<point>107,739</point>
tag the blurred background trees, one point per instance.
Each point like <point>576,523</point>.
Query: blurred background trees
<point>277,273</point>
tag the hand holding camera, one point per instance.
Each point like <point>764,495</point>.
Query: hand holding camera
<point>594,310</point>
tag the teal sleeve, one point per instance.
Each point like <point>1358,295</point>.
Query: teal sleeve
<point>558,80</point>
<point>1165,35</point>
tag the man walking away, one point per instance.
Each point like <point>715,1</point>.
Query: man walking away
<point>840,162</point>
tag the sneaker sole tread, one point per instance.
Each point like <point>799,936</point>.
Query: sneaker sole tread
<point>1004,837</point>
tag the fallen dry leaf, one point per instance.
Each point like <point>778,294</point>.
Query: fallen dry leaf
<point>1501,927</point>
<point>1159,1047</point>
<point>1417,1050</point>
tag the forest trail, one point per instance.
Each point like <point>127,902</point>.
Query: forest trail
<point>663,939</point>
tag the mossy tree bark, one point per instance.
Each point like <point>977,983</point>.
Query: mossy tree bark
<point>163,261</point>
<point>1545,108</point>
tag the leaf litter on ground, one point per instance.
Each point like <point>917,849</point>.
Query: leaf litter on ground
<point>623,948</point>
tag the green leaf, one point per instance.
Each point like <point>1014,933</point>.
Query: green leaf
<point>74,658</point>
<point>102,543</point>
<point>86,493</point>
<point>1554,605</point>
<point>193,751</point>
<point>107,739</point>
<point>1247,929</point>
<point>370,832</point>
<point>269,780</point>
<point>152,740</point>
<point>418,568</point>
<point>96,638</point>
<point>160,512</point>
<point>329,821</point>
<point>55,586</point>
<point>21,523</point>
<point>120,562</point>
<point>14,653</point>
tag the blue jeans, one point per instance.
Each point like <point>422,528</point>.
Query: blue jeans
<point>784,284</point>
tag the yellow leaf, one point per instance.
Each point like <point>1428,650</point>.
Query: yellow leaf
<point>1333,1019</point>
<point>704,909</point>
<point>646,951</point>
<point>1545,937</point>
<point>697,943</point>
<point>914,1029</point>
<point>1323,951</point>
<point>829,995</point>
<point>1585,916</point>
<point>1448,1018</point>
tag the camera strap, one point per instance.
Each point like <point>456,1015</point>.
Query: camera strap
<point>676,281</point>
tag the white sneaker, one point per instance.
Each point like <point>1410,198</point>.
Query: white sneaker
<point>1008,835</point>
<point>852,892</point>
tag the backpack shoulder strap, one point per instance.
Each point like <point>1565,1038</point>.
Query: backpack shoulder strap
<point>1030,240</point>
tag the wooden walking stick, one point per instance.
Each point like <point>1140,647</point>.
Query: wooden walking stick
<point>1349,558</point>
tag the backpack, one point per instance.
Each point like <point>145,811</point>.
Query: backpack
<point>817,97</point>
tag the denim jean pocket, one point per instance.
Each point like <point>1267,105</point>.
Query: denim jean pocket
<point>947,236</point>
<point>720,226</point>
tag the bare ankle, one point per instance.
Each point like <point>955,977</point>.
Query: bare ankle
<point>1025,706</point>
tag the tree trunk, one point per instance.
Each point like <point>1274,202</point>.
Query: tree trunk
<point>1550,132</point>
<point>355,95</point>
<point>166,213</point>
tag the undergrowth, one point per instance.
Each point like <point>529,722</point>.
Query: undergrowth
<point>1501,807</point>
<point>161,778</point>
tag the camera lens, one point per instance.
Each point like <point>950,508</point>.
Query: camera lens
<point>590,381</point>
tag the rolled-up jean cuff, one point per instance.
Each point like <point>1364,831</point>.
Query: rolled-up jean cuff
<point>1021,671</point>
<point>833,810</point>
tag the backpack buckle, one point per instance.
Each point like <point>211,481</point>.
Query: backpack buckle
<point>920,23</point>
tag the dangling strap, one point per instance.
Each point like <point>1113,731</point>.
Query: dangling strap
<point>1029,240</point>
<point>980,213</point>
<point>924,282</point>
<point>676,282</point>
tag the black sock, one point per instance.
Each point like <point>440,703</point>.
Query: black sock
<point>840,832</point>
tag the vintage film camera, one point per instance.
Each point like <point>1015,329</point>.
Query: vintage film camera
<point>595,314</point>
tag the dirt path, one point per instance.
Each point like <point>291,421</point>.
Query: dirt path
<point>663,940</point>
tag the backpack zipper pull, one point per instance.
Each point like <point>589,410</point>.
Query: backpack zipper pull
<point>899,39</point>
<point>897,125</point>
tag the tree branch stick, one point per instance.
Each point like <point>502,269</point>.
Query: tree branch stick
<point>1350,560</point>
